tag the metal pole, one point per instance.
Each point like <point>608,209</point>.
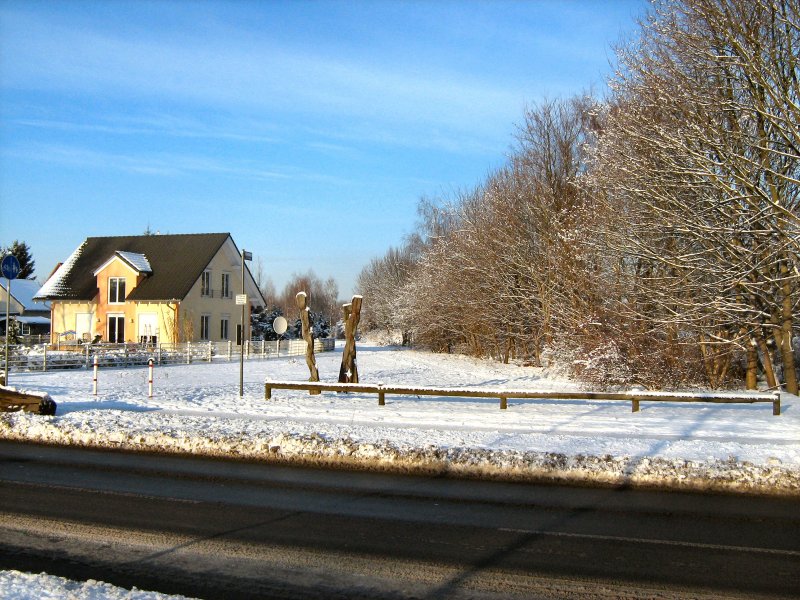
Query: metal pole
<point>8,310</point>
<point>241,349</point>
<point>8,306</point>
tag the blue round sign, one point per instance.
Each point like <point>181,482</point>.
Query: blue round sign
<point>10,266</point>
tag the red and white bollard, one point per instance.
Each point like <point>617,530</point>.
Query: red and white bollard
<point>94,379</point>
<point>150,378</point>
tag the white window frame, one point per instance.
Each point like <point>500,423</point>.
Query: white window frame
<point>225,286</point>
<point>205,283</point>
<point>116,300</point>
<point>116,316</point>
<point>225,328</point>
<point>205,327</point>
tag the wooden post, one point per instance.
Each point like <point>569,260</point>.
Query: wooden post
<point>267,392</point>
<point>302,303</point>
<point>503,403</point>
<point>94,379</point>
<point>348,372</point>
<point>634,406</point>
<point>776,404</point>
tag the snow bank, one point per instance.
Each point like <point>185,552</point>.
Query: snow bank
<point>27,586</point>
<point>196,409</point>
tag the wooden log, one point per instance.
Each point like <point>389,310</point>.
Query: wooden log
<point>302,304</point>
<point>11,401</point>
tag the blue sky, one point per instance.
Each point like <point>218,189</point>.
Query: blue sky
<point>309,130</point>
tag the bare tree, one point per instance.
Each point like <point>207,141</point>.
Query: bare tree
<point>700,155</point>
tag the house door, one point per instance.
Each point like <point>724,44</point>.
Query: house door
<point>116,329</point>
<point>83,327</point>
<point>148,328</point>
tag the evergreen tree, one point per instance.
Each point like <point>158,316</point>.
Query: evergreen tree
<point>23,254</point>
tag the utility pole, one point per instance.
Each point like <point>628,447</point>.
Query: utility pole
<point>242,299</point>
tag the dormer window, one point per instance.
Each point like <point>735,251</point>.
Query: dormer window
<point>116,290</point>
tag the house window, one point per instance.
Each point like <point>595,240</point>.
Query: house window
<point>116,290</point>
<point>223,328</point>
<point>205,283</point>
<point>226,285</point>
<point>205,320</point>
<point>116,329</point>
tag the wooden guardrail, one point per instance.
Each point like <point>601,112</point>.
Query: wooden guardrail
<point>634,397</point>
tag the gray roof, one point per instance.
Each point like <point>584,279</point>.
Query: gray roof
<point>176,262</point>
<point>24,291</point>
<point>137,261</point>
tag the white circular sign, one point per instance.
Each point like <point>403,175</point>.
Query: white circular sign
<point>279,325</point>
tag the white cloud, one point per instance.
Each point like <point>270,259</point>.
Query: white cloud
<point>162,164</point>
<point>254,75</point>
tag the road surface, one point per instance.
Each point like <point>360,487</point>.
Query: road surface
<point>224,529</point>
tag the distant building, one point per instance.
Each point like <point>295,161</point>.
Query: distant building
<point>151,289</point>
<point>33,317</point>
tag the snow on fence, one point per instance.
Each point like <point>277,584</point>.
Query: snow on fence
<point>48,357</point>
<point>634,397</point>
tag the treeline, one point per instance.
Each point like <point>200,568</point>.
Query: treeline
<point>649,238</point>
<point>323,301</point>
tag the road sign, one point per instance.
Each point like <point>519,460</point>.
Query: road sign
<point>10,266</point>
<point>279,325</point>
<point>241,299</point>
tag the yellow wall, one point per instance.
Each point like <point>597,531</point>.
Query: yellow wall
<point>116,268</point>
<point>62,317</point>
<point>195,304</point>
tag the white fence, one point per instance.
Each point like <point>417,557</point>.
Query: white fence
<point>45,357</point>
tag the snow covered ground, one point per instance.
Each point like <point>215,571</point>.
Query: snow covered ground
<point>27,586</point>
<point>196,408</point>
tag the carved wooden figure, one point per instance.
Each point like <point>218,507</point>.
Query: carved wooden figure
<point>302,304</point>
<point>348,373</point>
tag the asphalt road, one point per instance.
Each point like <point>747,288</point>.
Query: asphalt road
<point>225,529</point>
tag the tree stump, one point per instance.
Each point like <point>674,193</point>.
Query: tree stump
<point>305,318</point>
<point>348,372</point>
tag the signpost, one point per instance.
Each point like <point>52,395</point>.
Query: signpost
<point>242,299</point>
<point>10,269</point>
